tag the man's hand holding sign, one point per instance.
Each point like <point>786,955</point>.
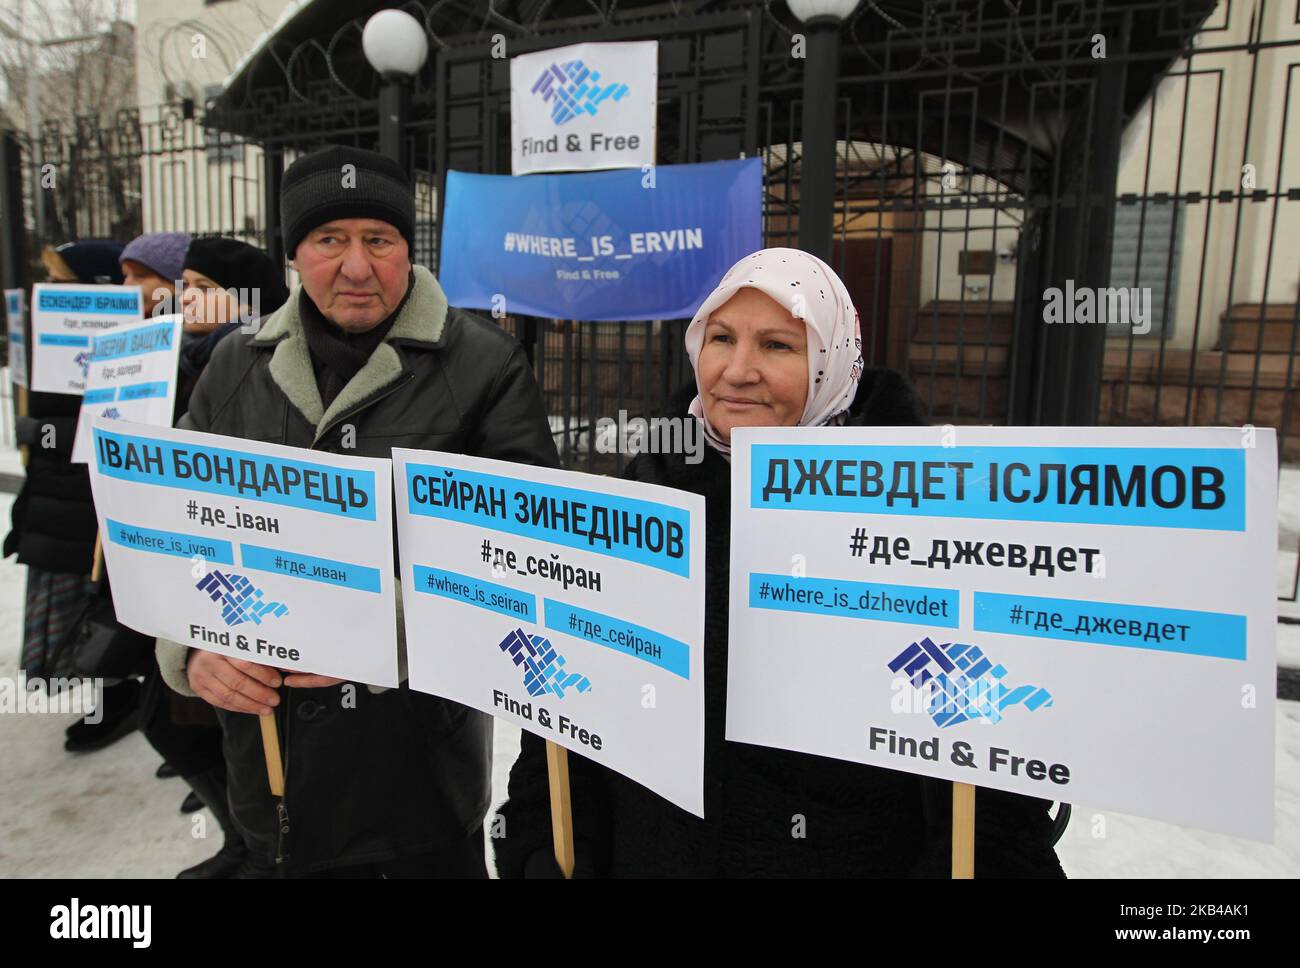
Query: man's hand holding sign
<point>246,687</point>
<point>254,523</point>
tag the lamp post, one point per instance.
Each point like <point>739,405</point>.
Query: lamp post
<point>821,20</point>
<point>395,45</point>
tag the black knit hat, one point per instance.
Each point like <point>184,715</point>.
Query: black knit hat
<point>317,188</point>
<point>232,264</point>
<point>93,260</point>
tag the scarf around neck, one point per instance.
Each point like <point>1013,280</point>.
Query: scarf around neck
<point>337,356</point>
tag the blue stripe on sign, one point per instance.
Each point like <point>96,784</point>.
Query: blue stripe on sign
<point>359,481</point>
<point>911,604</point>
<point>472,591</point>
<point>143,391</point>
<point>137,342</point>
<point>310,568</point>
<point>622,636</point>
<point>16,337</point>
<point>92,397</point>
<point>424,495</point>
<point>61,339</point>
<point>1214,634</point>
<point>170,543</point>
<point>91,301</point>
<point>1020,471</point>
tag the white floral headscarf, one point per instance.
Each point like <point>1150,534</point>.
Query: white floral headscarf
<point>809,290</point>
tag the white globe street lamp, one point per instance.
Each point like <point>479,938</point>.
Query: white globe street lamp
<point>809,10</point>
<point>395,44</point>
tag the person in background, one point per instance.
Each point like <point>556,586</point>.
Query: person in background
<point>225,281</point>
<point>54,523</point>
<point>227,284</point>
<point>153,262</point>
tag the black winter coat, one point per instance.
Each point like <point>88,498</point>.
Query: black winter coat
<point>54,514</point>
<point>857,821</point>
<point>403,773</point>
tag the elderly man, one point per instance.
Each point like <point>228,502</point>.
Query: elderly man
<point>365,355</point>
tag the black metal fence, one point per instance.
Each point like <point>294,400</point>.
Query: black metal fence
<point>994,161</point>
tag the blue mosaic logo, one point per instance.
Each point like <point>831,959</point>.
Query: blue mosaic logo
<point>571,89</point>
<point>240,600</point>
<point>82,360</point>
<point>544,670</point>
<point>966,686</point>
<point>112,413</point>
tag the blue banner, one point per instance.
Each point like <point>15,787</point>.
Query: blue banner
<point>68,299</point>
<point>472,591</point>
<point>170,542</point>
<point>1166,487</point>
<point>146,339</point>
<point>620,635</point>
<point>235,473</point>
<point>646,532</point>
<point>913,604</point>
<point>141,391</point>
<point>346,574</point>
<point>610,245</point>
<point>1179,630</point>
<point>61,339</point>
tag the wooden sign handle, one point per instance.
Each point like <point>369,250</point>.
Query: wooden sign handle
<point>271,750</point>
<point>97,564</point>
<point>557,772</point>
<point>23,449</point>
<point>963,831</point>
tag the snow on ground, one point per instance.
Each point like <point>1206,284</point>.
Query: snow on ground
<point>103,814</point>
<point>1102,843</point>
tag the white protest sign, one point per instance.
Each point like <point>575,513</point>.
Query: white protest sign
<point>132,376</point>
<point>65,318</point>
<point>584,107</point>
<point>17,338</point>
<point>568,604</point>
<point>272,554</point>
<point>1078,614</point>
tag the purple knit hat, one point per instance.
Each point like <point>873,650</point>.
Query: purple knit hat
<point>163,252</point>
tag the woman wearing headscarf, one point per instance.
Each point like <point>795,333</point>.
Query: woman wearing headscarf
<point>777,343</point>
<point>54,526</point>
<point>226,283</point>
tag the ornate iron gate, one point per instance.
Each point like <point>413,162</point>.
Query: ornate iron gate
<point>989,151</point>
